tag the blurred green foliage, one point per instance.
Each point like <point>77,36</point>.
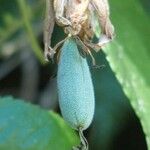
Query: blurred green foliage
<point>23,127</point>
<point>129,57</point>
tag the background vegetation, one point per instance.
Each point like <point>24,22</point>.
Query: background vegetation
<point>122,87</point>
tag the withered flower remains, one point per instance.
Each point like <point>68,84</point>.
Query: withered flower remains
<point>76,17</point>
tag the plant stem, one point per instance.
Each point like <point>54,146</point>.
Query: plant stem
<point>34,44</point>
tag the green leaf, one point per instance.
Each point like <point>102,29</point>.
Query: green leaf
<point>129,56</point>
<point>113,110</point>
<point>27,127</point>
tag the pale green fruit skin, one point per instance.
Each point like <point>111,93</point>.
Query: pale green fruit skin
<point>75,88</point>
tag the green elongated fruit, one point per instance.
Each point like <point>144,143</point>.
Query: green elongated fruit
<point>75,88</point>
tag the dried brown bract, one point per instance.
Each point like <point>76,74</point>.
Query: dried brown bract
<point>76,16</point>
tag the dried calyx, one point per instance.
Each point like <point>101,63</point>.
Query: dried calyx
<point>76,17</point>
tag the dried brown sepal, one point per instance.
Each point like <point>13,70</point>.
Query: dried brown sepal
<point>102,8</point>
<point>48,29</point>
